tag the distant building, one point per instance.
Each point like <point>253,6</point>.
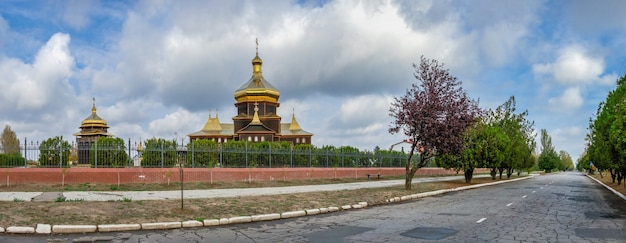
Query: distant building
<point>256,120</point>
<point>92,128</point>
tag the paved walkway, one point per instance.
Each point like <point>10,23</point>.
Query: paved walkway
<point>211,193</point>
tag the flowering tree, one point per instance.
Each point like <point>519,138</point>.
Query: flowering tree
<point>434,113</point>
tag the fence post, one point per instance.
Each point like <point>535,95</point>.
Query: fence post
<point>130,160</point>
<point>61,152</point>
<point>25,155</point>
<point>246,151</point>
<point>193,162</point>
<point>95,152</point>
<point>162,155</point>
<point>310,155</point>
<point>221,156</point>
<point>327,157</point>
<point>291,156</point>
<point>270,155</point>
<point>341,150</point>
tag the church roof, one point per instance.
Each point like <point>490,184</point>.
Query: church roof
<point>93,124</point>
<point>94,120</point>
<point>257,88</point>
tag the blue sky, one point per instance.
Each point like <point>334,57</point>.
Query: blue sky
<point>157,68</point>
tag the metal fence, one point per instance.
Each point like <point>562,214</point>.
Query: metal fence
<point>64,154</point>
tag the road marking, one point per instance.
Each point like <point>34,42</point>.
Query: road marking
<point>541,188</point>
<point>533,191</point>
<point>508,205</point>
<point>481,220</point>
<point>524,196</point>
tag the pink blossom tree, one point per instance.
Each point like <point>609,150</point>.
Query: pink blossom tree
<point>433,113</point>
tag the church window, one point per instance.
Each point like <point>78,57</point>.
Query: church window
<point>297,140</point>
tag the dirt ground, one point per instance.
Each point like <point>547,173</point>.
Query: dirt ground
<point>606,179</point>
<point>21,213</point>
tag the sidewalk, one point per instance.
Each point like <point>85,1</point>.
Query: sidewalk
<point>211,193</point>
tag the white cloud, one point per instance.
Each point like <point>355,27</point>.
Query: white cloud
<point>76,12</point>
<point>30,87</point>
<point>570,100</point>
<point>574,65</point>
<point>569,139</point>
<point>177,123</point>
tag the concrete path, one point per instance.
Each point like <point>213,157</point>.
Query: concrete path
<point>212,193</point>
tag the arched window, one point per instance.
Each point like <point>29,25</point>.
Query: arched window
<point>219,140</point>
<point>303,140</point>
<point>250,138</point>
<point>297,140</point>
<point>263,139</point>
<point>256,138</point>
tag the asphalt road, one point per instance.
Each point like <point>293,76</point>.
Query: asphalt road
<point>564,207</point>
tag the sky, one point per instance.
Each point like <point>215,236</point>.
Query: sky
<point>159,68</point>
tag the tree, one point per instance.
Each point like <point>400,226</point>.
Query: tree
<point>9,142</point>
<point>203,153</point>
<point>520,133</point>
<point>548,159</point>
<point>54,152</point>
<point>159,152</point>
<point>607,134</point>
<point>108,152</point>
<point>433,113</point>
<point>566,161</point>
<point>483,146</point>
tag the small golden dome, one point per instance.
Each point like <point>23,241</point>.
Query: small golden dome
<point>94,120</point>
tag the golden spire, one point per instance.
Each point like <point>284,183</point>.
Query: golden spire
<point>93,107</point>
<point>257,62</point>
<point>255,118</point>
<point>294,126</point>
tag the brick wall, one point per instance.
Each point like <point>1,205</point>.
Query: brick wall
<point>12,176</point>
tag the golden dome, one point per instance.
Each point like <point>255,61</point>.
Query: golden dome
<point>94,120</point>
<point>257,88</point>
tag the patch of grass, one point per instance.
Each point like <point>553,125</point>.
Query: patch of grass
<point>60,199</point>
<point>17,200</point>
<point>84,212</point>
<point>126,199</point>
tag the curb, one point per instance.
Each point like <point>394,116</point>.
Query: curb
<point>608,187</point>
<point>65,229</point>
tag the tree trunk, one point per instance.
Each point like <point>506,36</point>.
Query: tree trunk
<point>469,173</point>
<point>509,172</point>
<point>500,170</point>
<point>613,175</point>
<point>492,172</point>
<point>410,170</point>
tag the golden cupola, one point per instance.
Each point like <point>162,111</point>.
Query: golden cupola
<point>94,121</point>
<point>257,89</point>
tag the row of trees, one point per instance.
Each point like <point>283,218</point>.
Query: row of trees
<point>443,122</point>
<point>606,139</point>
<point>500,140</point>
<point>158,152</point>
